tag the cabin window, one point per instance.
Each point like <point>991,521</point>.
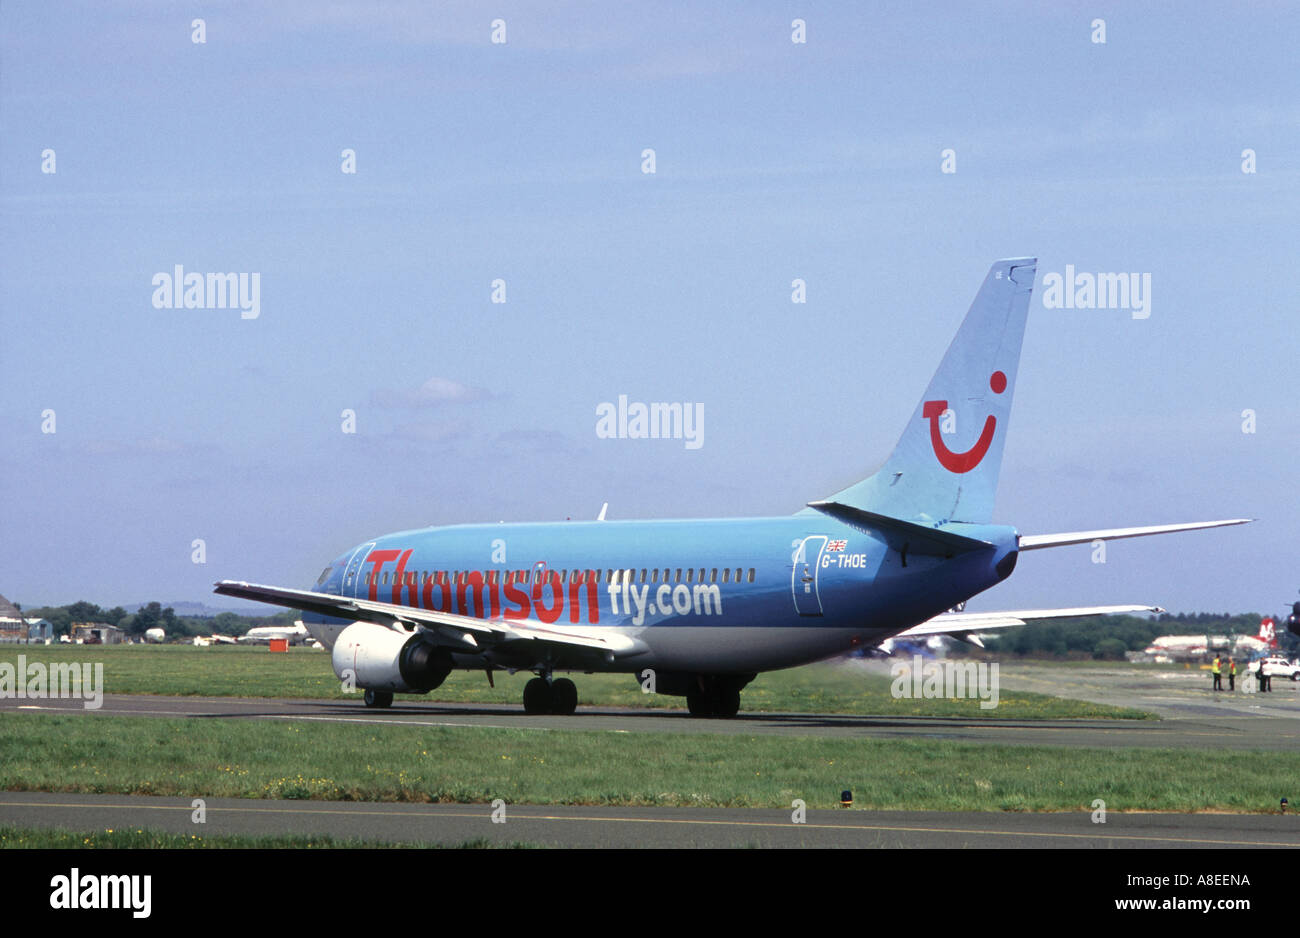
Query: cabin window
<point>324,576</point>
<point>713,575</point>
<point>739,573</point>
<point>726,575</point>
<point>385,578</point>
<point>751,574</point>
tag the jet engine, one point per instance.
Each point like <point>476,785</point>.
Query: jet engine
<point>1293,620</point>
<point>379,658</point>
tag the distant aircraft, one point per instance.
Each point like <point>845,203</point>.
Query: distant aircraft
<point>154,636</point>
<point>296,634</point>
<point>1189,647</point>
<point>698,608</point>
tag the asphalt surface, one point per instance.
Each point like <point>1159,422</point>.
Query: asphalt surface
<point>588,827</point>
<point>1217,728</point>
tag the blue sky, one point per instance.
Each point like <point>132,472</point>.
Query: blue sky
<point>522,161</point>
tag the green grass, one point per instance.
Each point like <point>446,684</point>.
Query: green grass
<point>254,671</point>
<point>255,759</point>
<point>33,838</point>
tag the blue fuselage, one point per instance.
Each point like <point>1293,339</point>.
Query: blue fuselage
<point>716,596</point>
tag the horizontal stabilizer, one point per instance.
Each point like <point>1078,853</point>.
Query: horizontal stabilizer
<point>902,535</point>
<point>1039,541</point>
<point>953,622</point>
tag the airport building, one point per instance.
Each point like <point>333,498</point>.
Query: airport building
<point>96,633</point>
<point>13,627</point>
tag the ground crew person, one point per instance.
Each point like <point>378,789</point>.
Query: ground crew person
<point>1218,676</point>
<point>1232,674</point>
<point>1259,676</point>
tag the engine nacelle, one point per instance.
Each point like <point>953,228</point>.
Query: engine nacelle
<point>1293,620</point>
<point>382,659</point>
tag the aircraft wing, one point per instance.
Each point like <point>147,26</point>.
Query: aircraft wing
<point>1038,541</point>
<point>464,633</point>
<point>963,625</point>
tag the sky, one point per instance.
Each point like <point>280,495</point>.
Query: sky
<point>149,452</point>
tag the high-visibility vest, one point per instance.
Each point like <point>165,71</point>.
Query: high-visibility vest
<point>1215,667</point>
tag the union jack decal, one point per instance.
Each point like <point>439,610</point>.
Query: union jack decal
<point>837,545</point>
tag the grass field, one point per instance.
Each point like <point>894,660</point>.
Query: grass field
<point>186,758</point>
<point>253,671</point>
<point>30,838</point>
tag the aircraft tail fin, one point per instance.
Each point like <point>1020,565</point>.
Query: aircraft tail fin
<point>945,466</point>
<point>1268,631</point>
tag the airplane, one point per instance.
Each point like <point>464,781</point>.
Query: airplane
<point>154,636</point>
<point>295,634</point>
<point>1186,647</point>
<point>698,608</point>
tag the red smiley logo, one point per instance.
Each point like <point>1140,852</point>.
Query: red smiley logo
<point>962,462</point>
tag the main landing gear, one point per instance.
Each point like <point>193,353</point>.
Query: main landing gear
<point>714,697</point>
<point>543,695</point>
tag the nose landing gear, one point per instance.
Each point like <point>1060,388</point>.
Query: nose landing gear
<point>378,698</point>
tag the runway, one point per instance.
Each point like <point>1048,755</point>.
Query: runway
<point>592,827</point>
<point>1195,730</point>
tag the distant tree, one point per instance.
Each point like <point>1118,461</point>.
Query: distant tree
<point>148,616</point>
<point>82,611</point>
<point>1109,649</point>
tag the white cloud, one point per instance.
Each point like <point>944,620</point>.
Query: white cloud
<point>434,392</point>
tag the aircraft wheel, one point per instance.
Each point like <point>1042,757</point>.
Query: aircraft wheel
<point>699,703</point>
<point>564,697</point>
<point>728,702</point>
<point>537,696</point>
<point>378,698</point>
